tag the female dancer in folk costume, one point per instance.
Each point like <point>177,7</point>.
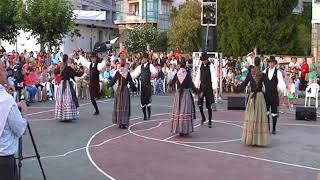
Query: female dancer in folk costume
<point>255,131</point>
<point>183,108</point>
<point>66,101</point>
<point>121,106</point>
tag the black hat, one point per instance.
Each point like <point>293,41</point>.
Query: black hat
<point>93,54</point>
<point>204,56</point>
<point>272,59</point>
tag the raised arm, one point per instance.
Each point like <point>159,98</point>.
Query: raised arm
<point>281,84</point>
<point>173,80</point>
<point>136,72</point>
<point>85,62</point>
<point>153,70</point>
<point>102,65</point>
<point>131,83</point>
<point>214,78</point>
<point>244,83</point>
<point>114,79</point>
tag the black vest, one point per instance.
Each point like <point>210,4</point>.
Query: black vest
<point>94,73</point>
<point>271,87</point>
<point>145,74</point>
<point>205,77</point>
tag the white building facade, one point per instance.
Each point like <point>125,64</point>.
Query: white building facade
<point>91,32</point>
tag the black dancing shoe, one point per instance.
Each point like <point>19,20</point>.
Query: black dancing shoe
<point>96,113</point>
<point>274,132</point>
<point>210,126</point>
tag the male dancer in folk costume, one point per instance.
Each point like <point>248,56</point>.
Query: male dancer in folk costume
<point>206,80</point>
<point>145,70</point>
<point>273,82</point>
<point>94,67</point>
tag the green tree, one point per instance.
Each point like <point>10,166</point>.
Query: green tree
<point>141,36</point>
<point>162,42</point>
<point>49,20</point>
<point>186,28</point>
<point>8,19</point>
<point>304,31</point>
<point>268,25</point>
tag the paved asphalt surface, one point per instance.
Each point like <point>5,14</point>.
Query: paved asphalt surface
<point>64,156</point>
<point>56,138</point>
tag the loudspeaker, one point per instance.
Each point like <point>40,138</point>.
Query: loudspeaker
<point>306,113</point>
<point>236,103</point>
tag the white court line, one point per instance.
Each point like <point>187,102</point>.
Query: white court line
<point>194,142</point>
<point>137,104</point>
<point>81,105</point>
<point>223,152</point>
<point>92,137</point>
<point>285,124</point>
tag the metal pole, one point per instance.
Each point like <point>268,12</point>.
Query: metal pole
<point>207,34</point>
<point>220,72</point>
<point>91,38</point>
<point>146,11</point>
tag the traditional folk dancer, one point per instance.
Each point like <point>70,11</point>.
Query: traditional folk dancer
<point>145,70</point>
<point>94,86</point>
<point>183,108</point>
<point>273,82</point>
<point>255,131</point>
<point>206,80</point>
<point>121,106</point>
<point>67,104</point>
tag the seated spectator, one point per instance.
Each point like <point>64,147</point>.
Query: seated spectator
<point>30,81</point>
<point>159,80</point>
<point>106,77</point>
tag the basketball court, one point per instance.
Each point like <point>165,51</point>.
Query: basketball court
<point>93,148</point>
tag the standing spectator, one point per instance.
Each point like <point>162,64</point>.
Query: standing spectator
<point>304,73</point>
<point>12,127</point>
<point>291,93</point>
<point>313,74</point>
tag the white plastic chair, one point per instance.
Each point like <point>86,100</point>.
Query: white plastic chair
<point>312,91</point>
<point>56,87</point>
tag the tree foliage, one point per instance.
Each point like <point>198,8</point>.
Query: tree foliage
<point>49,20</point>
<point>8,19</point>
<point>268,25</point>
<point>140,37</point>
<point>304,31</point>
<point>186,28</point>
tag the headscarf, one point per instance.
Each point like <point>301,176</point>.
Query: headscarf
<point>6,103</point>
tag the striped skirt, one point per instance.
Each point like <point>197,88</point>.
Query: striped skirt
<point>121,107</point>
<point>183,112</point>
<point>256,130</point>
<point>65,108</point>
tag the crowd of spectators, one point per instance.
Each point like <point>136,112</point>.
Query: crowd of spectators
<point>36,75</point>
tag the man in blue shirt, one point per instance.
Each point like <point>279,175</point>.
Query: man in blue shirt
<point>12,127</point>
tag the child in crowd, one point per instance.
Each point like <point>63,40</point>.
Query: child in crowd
<point>297,85</point>
<point>291,93</point>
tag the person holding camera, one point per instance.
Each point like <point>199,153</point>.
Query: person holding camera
<point>12,127</point>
